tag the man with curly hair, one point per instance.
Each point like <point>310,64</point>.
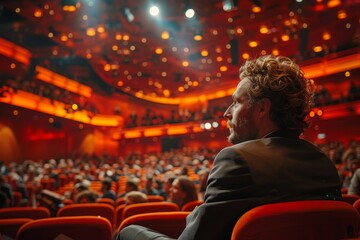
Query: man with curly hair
<point>268,161</point>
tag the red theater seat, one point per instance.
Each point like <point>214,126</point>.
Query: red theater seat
<point>350,198</point>
<point>25,212</point>
<point>169,223</point>
<point>138,208</point>
<point>88,209</point>
<point>188,207</point>
<point>9,227</point>
<point>315,219</point>
<point>75,228</point>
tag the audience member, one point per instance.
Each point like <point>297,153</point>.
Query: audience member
<point>268,162</point>
<point>135,197</point>
<point>7,190</point>
<point>106,189</point>
<point>131,185</point>
<point>182,191</point>
<point>87,196</point>
<point>149,188</point>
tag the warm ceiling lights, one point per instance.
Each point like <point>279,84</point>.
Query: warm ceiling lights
<point>185,63</point>
<point>264,29</point>
<point>204,53</point>
<point>90,32</point>
<point>285,37</point>
<point>326,36</point>
<point>255,8</point>
<point>165,35</point>
<point>245,55</point>
<point>37,13</point>
<point>317,49</point>
<point>253,44</point>
<point>333,3</point>
<point>158,50</point>
<point>197,37</point>
<point>341,14</point>
<point>275,52</point>
<point>68,5</point>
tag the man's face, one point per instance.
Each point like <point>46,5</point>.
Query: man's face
<point>241,115</point>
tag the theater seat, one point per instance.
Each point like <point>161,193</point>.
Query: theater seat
<point>9,227</point>
<point>350,198</point>
<point>155,198</point>
<point>25,212</point>
<point>89,209</point>
<point>188,207</point>
<point>148,207</point>
<point>299,220</point>
<point>169,223</point>
<point>75,228</point>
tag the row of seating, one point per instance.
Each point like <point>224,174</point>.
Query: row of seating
<point>312,219</point>
<point>114,215</point>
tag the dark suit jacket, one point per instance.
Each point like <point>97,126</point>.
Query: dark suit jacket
<point>277,168</point>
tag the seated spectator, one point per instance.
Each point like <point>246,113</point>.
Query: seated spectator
<point>149,188</point>
<point>87,196</point>
<point>183,190</point>
<point>131,185</point>
<point>7,190</point>
<point>135,197</point>
<point>166,186</point>
<point>354,187</point>
<point>106,189</point>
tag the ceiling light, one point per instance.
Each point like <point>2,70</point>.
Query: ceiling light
<point>255,9</point>
<point>154,11</point>
<point>333,3</point>
<point>185,63</point>
<point>317,49</point>
<point>264,29</point>
<point>245,55</point>
<point>165,35</point>
<point>285,37</point>
<point>159,50</point>
<point>90,32</point>
<point>223,68</point>
<point>253,44</point>
<point>189,13</point>
<point>326,36</point>
<point>341,14</point>
<point>197,37</point>
<point>204,53</point>
<point>37,13</point>
<point>68,5</point>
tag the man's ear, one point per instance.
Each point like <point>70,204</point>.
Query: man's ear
<point>264,107</point>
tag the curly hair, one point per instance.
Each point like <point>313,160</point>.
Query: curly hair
<point>282,81</point>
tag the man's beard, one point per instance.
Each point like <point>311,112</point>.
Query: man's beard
<point>241,132</point>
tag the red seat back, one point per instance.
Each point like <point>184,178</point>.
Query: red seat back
<point>25,212</point>
<point>75,228</point>
<point>169,223</point>
<point>88,209</point>
<point>9,227</point>
<point>148,207</point>
<point>312,219</point>
<point>188,207</point>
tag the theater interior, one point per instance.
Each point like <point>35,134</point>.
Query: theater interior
<point>94,77</point>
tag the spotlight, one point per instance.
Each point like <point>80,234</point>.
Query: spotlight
<point>154,11</point>
<point>189,13</point>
